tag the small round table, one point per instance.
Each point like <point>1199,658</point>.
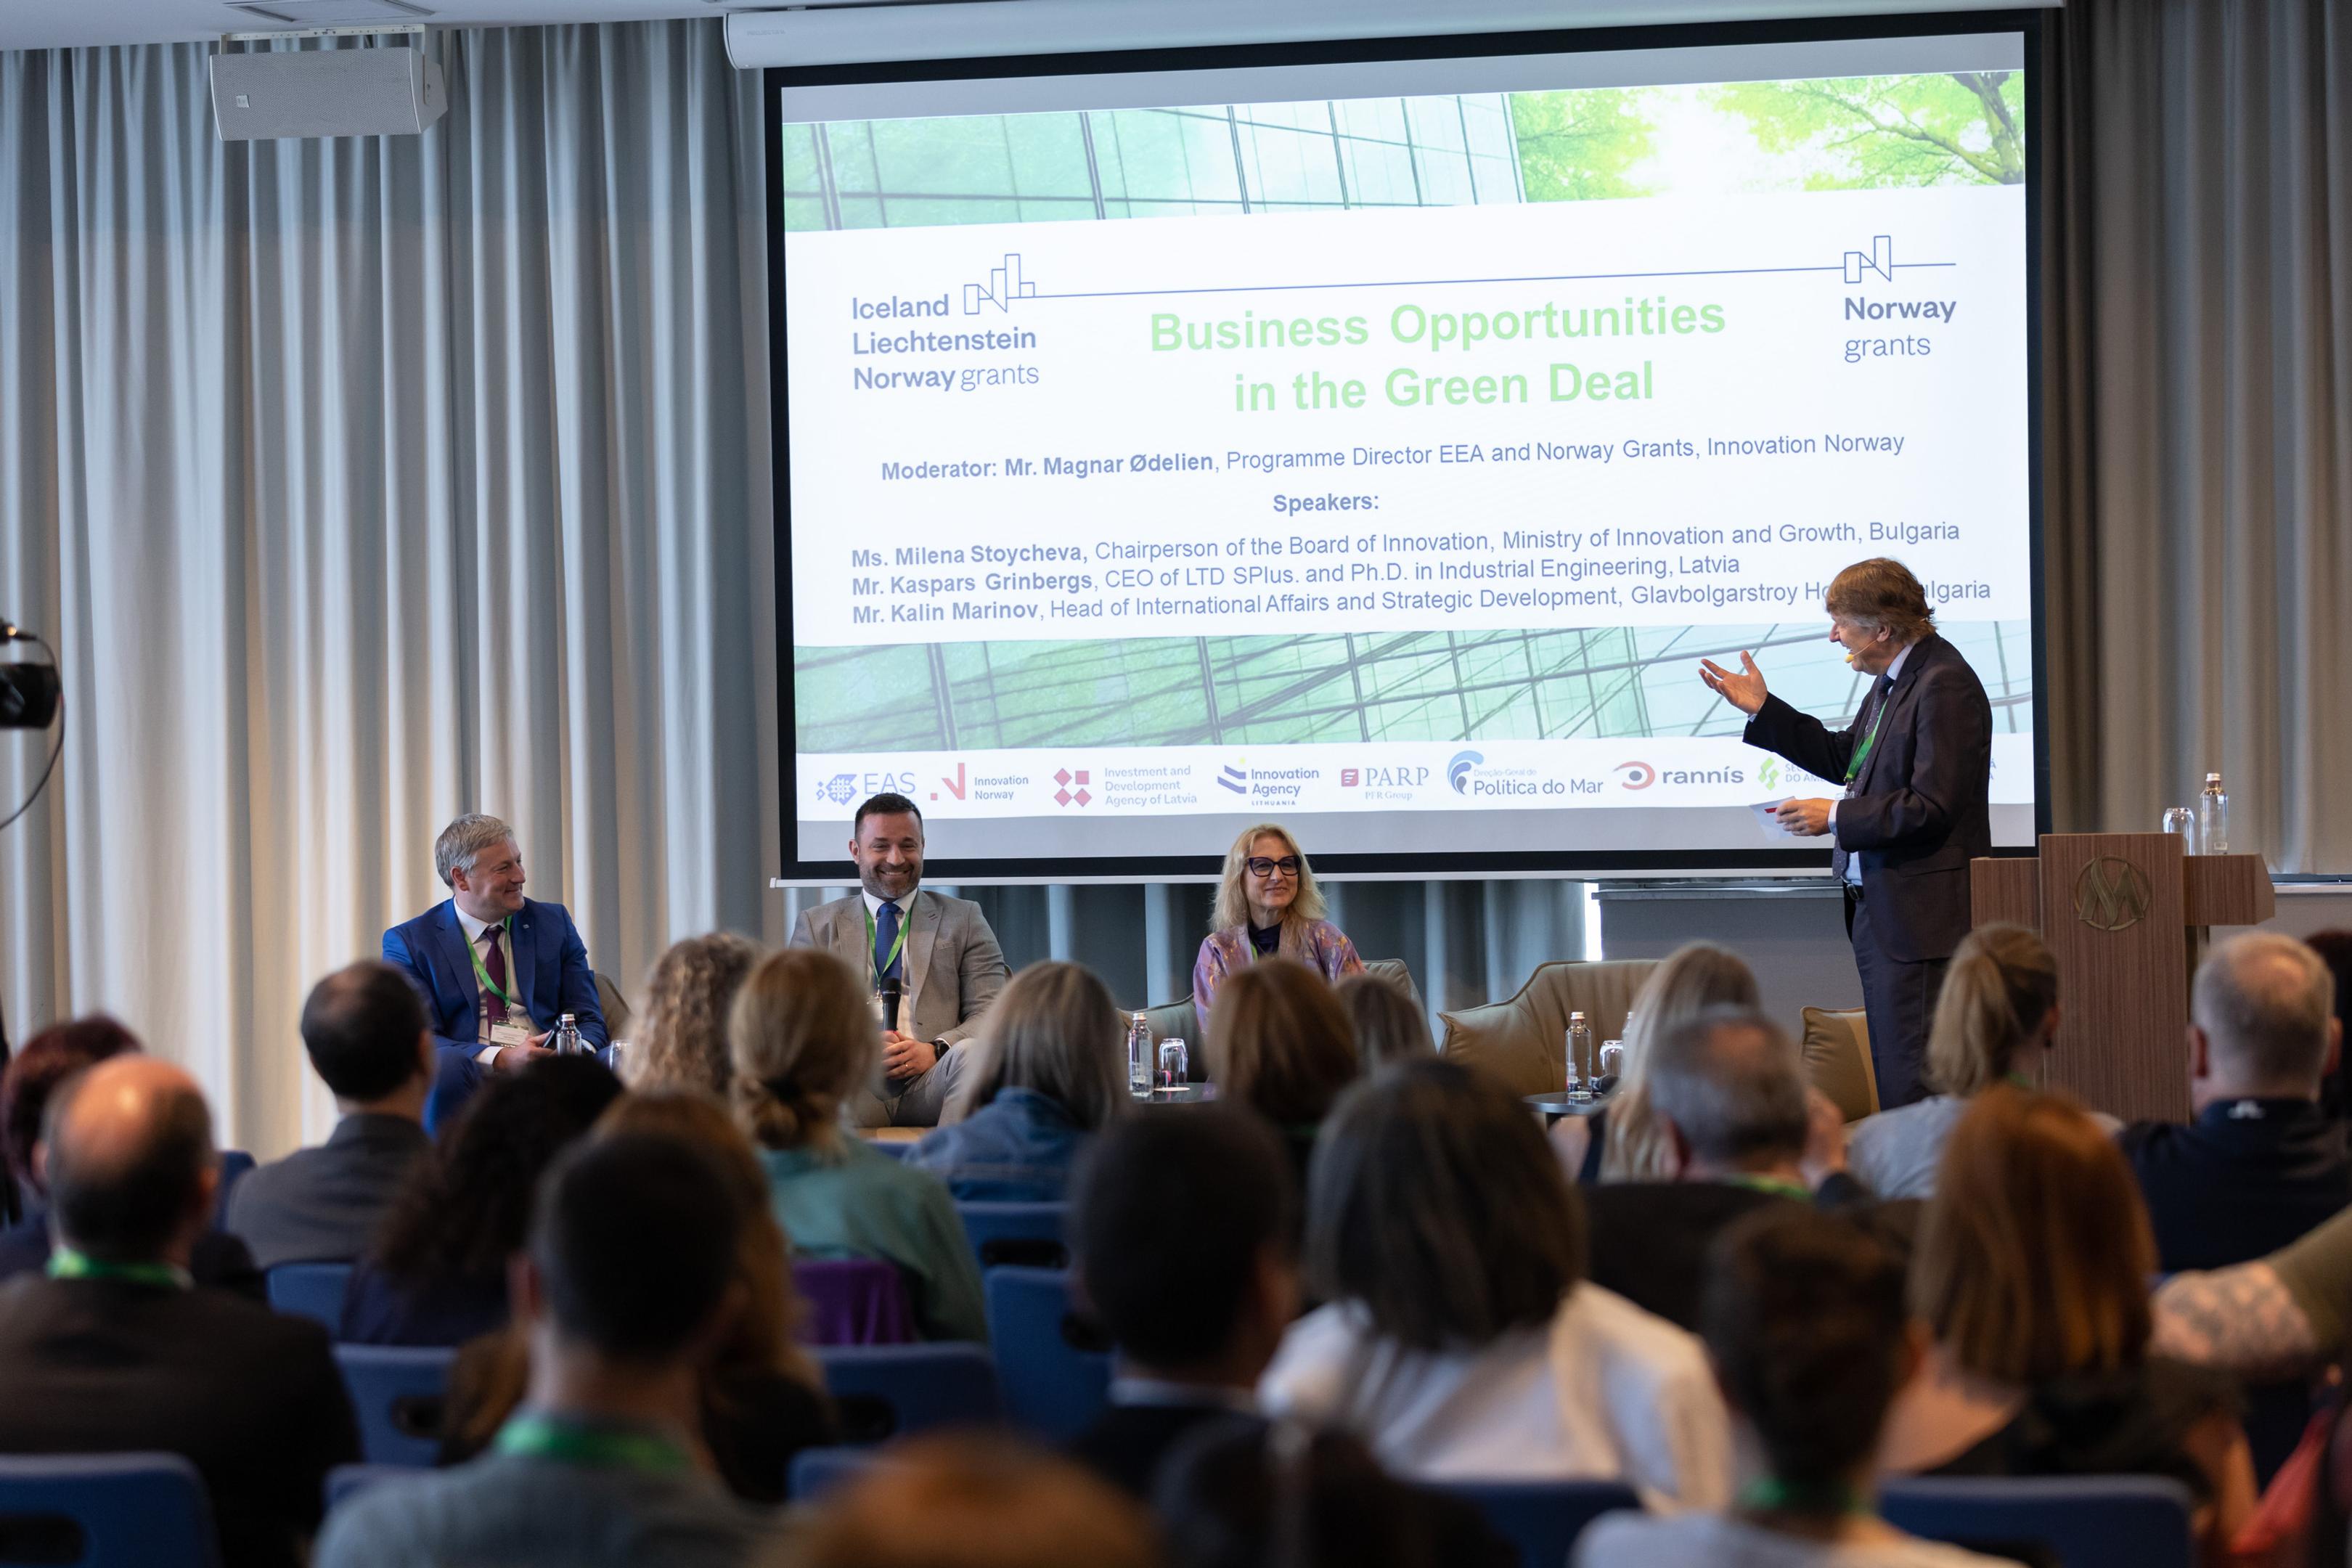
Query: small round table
<point>1556,1103</point>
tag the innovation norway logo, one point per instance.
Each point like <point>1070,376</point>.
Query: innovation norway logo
<point>1457,771</point>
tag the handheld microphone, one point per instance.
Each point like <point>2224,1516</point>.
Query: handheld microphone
<point>890,992</point>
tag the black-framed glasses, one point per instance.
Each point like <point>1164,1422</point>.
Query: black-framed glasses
<point>1261,866</point>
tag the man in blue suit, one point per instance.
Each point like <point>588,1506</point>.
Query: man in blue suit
<point>496,970</point>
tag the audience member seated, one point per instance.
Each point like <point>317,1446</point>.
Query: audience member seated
<point>763,1398</point>
<point>682,1042</point>
<point>1050,1068</point>
<point>1280,1045</point>
<point>437,1273</point>
<point>1184,1236</point>
<point>2261,1162</point>
<point>40,1064</point>
<point>1240,1494</point>
<point>802,1037</point>
<point>2031,1273</point>
<point>1623,1142</point>
<point>975,1501</point>
<point>1995,1017</point>
<point>1805,1319</point>
<point>624,1292</point>
<point>366,1035</point>
<point>1727,1094</point>
<point>1267,906</point>
<point>1461,1339</point>
<point>1388,1026</point>
<point>116,1351</point>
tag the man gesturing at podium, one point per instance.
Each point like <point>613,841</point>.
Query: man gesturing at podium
<point>1916,766</point>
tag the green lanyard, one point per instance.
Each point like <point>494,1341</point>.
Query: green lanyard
<point>896,947</point>
<point>64,1263</point>
<point>1853,768</point>
<point>483,975</point>
<point>1774,1184</point>
<point>593,1446</point>
<point>1810,1497</point>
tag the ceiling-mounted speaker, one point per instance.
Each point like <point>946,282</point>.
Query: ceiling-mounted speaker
<point>326,92</point>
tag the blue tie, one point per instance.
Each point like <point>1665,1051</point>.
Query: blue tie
<point>886,936</point>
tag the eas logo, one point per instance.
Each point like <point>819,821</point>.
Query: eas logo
<point>1636,775</point>
<point>1457,771</point>
<point>1349,778</point>
<point>840,789</point>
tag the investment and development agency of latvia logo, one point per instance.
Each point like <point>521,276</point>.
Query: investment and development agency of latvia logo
<point>1457,771</point>
<point>2112,895</point>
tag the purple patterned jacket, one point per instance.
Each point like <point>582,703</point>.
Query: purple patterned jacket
<point>1224,951</point>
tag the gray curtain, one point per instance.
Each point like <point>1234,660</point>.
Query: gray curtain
<point>2199,360</point>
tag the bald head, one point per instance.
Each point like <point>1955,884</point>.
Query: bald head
<point>1732,1084</point>
<point>2266,1006</point>
<point>130,1160</point>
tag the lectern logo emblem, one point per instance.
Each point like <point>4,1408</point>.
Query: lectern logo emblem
<point>2111,894</point>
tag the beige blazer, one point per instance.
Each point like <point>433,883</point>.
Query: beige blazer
<point>954,968</point>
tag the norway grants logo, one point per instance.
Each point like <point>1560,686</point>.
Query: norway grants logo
<point>1457,771</point>
<point>1636,775</point>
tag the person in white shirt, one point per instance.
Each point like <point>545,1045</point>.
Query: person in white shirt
<point>1461,1339</point>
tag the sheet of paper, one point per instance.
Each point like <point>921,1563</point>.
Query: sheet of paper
<point>1768,821</point>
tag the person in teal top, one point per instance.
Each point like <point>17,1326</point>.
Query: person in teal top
<point>801,1037</point>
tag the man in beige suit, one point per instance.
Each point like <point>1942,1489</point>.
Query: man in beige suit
<point>939,950</point>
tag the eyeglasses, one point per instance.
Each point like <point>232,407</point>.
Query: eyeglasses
<point>1259,865</point>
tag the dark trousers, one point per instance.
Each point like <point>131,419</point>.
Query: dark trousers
<point>1900,1001</point>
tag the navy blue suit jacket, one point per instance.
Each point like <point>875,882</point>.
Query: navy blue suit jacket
<point>552,975</point>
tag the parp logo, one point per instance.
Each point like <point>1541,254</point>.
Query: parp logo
<point>1636,775</point>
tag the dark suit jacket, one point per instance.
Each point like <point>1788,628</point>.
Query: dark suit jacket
<point>551,977</point>
<point>1649,1240</point>
<point>253,1400</point>
<point>2243,1179</point>
<point>1127,1442</point>
<point>323,1205</point>
<point>1920,811</point>
<point>220,1260</point>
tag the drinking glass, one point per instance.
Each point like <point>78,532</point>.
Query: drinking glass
<point>1173,1070</point>
<point>2180,819</point>
<point>1612,1060</point>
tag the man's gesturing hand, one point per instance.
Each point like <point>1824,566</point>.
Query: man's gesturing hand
<point>1743,688</point>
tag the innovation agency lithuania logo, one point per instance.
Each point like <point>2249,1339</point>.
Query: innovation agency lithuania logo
<point>1457,771</point>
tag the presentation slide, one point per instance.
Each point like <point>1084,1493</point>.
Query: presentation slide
<point>1378,446</point>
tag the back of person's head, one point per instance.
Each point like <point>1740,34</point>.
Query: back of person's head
<point>2034,1255</point>
<point>461,1213</point>
<point>1695,978</point>
<point>130,1157</point>
<point>1241,1494</point>
<point>1731,1081</point>
<point>33,1073</point>
<point>2267,1003</point>
<point>1435,1202</point>
<point>801,1036</point>
<point>976,1501</point>
<point>1055,1030</point>
<point>1279,1043</point>
<point>365,1027</point>
<point>2002,984</point>
<point>1803,1314</point>
<point>682,1042</point>
<point>1390,1026</point>
<point>1176,1213</point>
<point>633,1243</point>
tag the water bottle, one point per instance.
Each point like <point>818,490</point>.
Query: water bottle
<point>567,1038</point>
<point>1580,1055</point>
<point>2213,817</point>
<point>1138,1058</point>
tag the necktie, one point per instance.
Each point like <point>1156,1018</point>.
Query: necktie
<point>1866,725</point>
<point>494,965</point>
<point>886,937</point>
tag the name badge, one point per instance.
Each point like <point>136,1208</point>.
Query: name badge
<point>511,1033</point>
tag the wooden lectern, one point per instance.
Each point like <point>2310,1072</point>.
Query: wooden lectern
<point>2126,914</point>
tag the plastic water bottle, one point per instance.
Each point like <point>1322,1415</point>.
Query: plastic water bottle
<point>2213,817</point>
<point>568,1042</point>
<point>1138,1058</point>
<point>1580,1055</point>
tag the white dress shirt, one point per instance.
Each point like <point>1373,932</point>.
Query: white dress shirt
<point>474,930</point>
<point>1853,857</point>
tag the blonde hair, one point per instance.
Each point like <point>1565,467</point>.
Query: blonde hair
<point>2001,984</point>
<point>1231,911</point>
<point>801,1036</point>
<point>1696,978</point>
<point>683,1042</point>
<point>1054,1029</point>
<point>1280,1044</point>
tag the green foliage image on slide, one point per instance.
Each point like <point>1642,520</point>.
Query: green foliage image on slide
<point>1860,132</point>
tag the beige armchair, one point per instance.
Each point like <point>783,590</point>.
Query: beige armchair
<point>1182,1021</point>
<point>1523,1041</point>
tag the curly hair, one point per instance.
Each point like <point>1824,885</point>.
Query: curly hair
<point>801,1036</point>
<point>683,1043</point>
<point>464,1209</point>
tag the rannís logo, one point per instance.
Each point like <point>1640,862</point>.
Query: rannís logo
<point>1457,771</point>
<point>1636,775</point>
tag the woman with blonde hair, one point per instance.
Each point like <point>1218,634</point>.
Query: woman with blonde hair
<point>763,1399</point>
<point>1268,905</point>
<point>1997,1013</point>
<point>683,1041</point>
<point>801,1036</point>
<point>1623,1142</point>
<point>1052,1065</point>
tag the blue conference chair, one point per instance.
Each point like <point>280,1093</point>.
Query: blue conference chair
<point>398,1392</point>
<point>1542,1518</point>
<point>107,1510</point>
<point>1054,1366</point>
<point>886,1391</point>
<point>312,1290</point>
<point>347,1482</point>
<point>2088,1522</point>
<point>1024,1234</point>
<point>816,1472</point>
<point>235,1164</point>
